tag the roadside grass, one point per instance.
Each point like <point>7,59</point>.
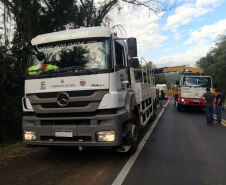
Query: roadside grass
<point>12,152</point>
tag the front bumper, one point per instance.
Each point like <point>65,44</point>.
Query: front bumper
<point>84,129</point>
<point>191,102</point>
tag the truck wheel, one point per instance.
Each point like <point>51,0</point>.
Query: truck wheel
<point>153,117</point>
<point>135,135</point>
<point>154,111</point>
<point>155,107</point>
<point>179,107</point>
<point>54,149</point>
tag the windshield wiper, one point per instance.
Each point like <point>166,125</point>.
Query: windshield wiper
<point>79,67</point>
<point>45,72</point>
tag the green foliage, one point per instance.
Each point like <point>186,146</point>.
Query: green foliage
<point>173,77</point>
<point>169,79</point>
<point>214,63</point>
<point>160,79</point>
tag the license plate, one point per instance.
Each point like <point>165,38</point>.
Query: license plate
<point>63,133</point>
<point>196,100</point>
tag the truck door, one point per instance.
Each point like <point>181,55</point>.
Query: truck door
<point>121,77</point>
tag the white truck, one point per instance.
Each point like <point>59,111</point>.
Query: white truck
<point>81,91</point>
<point>161,87</point>
<point>191,88</point>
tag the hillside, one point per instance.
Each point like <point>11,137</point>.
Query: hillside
<point>173,77</point>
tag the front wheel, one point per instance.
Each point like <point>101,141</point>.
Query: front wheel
<point>135,135</point>
<point>179,107</point>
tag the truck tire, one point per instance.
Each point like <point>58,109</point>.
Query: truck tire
<point>179,107</point>
<point>152,119</point>
<point>135,135</point>
<point>155,106</point>
<point>154,112</point>
<point>54,149</point>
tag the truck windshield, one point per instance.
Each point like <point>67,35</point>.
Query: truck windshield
<point>75,55</point>
<point>197,81</point>
<point>162,88</point>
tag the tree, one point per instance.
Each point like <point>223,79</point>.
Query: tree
<point>173,77</point>
<point>214,63</point>
<point>97,13</point>
<point>160,79</point>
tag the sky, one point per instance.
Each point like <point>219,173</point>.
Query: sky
<point>178,37</point>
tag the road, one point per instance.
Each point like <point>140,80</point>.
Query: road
<point>181,149</point>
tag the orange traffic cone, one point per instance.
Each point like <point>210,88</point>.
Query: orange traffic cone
<point>168,98</point>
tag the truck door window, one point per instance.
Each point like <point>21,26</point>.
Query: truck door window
<point>119,55</point>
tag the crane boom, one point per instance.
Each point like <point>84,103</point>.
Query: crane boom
<point>178,68</point>
<point>182,69</point>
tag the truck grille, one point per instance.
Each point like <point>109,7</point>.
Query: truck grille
<point>71,94</point>
<point>78,101</point>
<point>64,122</point>
<point>71,104</point>
<point>68,139</point>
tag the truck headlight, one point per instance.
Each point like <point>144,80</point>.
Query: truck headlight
<point>106,135</point>
<point>182,100</point>
<point>29,135</point>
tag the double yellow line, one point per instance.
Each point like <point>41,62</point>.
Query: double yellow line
<point>223,122</point>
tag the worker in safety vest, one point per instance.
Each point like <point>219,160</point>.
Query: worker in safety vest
<point>39,69</point>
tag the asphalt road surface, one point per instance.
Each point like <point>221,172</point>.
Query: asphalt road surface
<point>181,149</point>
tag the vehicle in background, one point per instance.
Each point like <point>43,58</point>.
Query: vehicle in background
<point>191,88</point>
<point>81,91</point>
<point>162,87</point>
<point>157,95</point>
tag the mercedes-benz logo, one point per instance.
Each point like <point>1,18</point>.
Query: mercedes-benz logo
<point>62,81</point>
<point>63,99</point>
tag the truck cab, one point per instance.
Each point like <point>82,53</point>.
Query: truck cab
<point>191,88</point>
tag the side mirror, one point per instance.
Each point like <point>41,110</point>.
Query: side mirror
<point>134,62</point>
<point>23,63</point>
<point>132,47</point>
<point>177,82</point>
<point>215,85</point>
<point>23,46</point>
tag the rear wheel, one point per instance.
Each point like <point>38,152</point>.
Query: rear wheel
<point>155,106</point>
<point>54,149</point>
<point>154,115</point>
<point>135,135</point>
<point>179,107</point>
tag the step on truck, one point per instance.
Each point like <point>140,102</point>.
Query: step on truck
<point>81,90</point>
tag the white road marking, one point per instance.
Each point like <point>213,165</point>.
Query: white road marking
<point>122,175</point>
